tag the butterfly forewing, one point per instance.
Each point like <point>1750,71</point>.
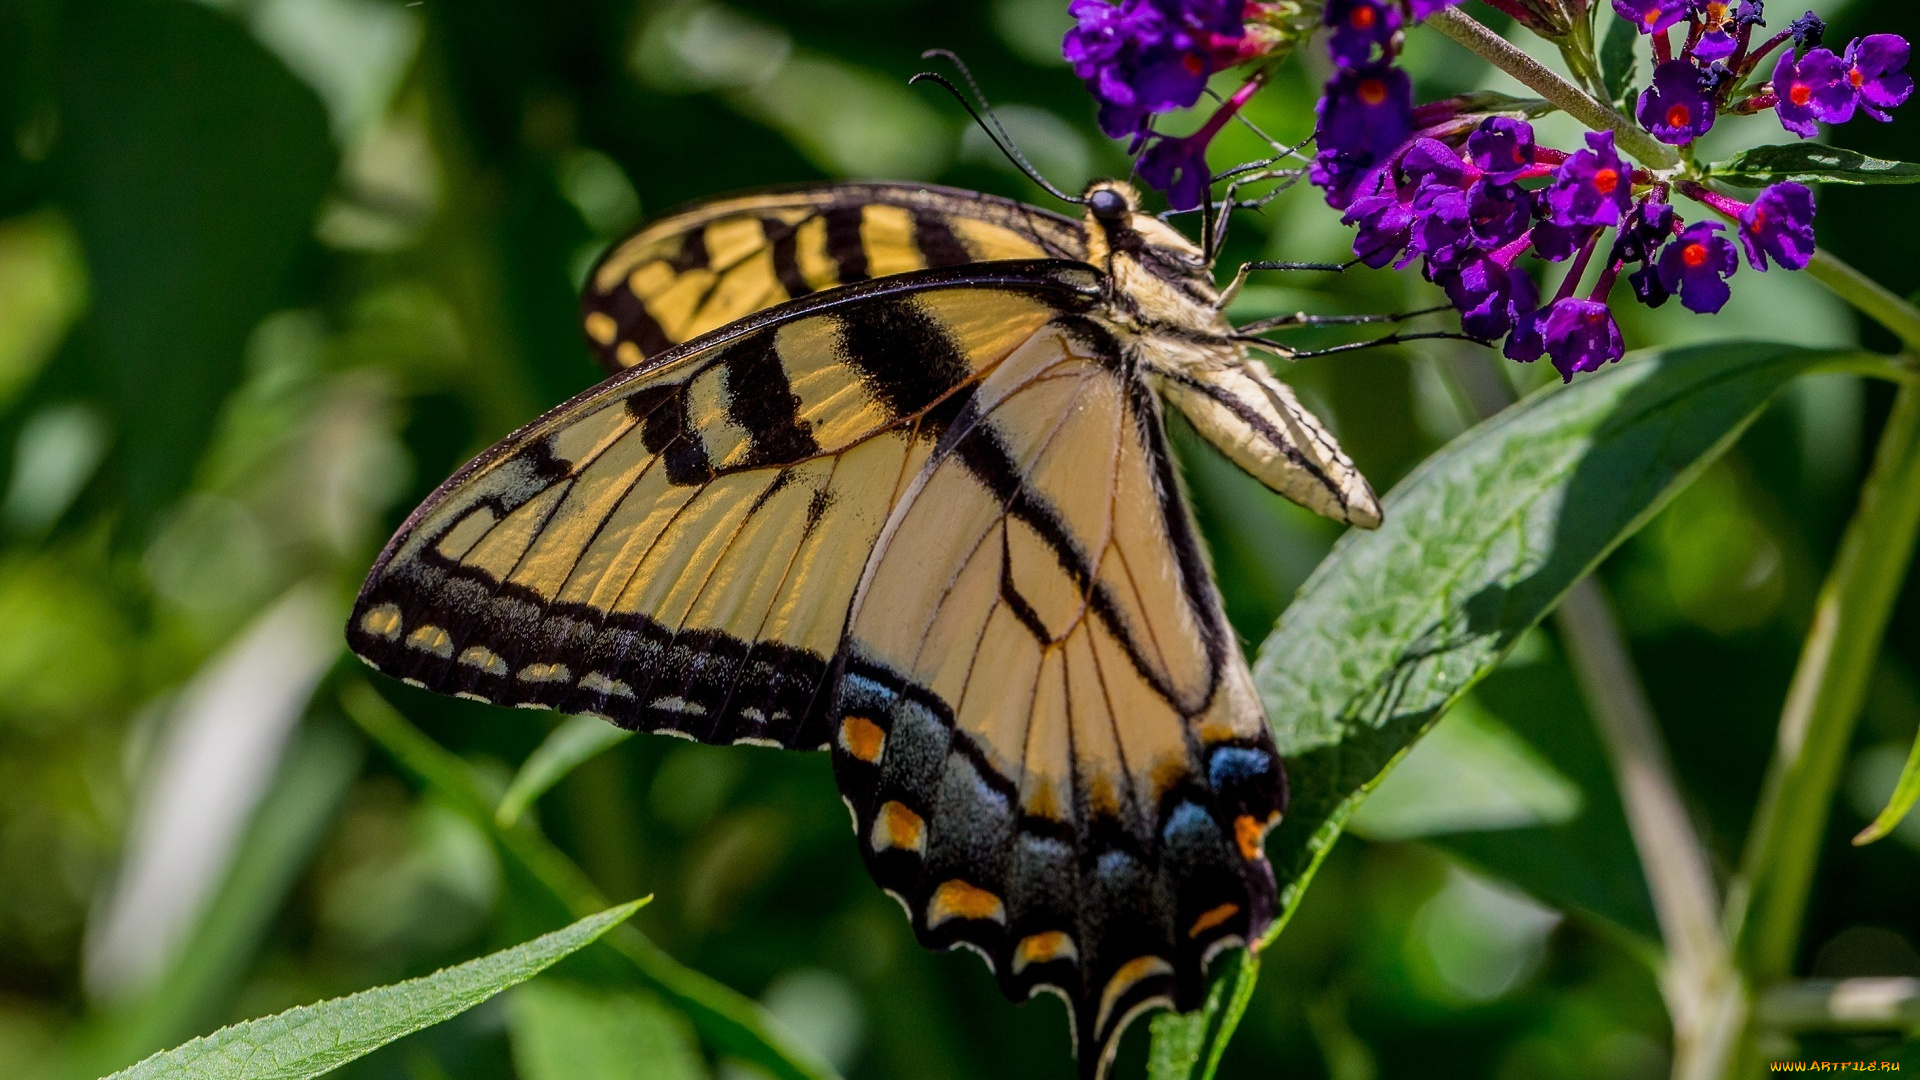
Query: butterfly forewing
<point>676,549</point>
<point>720,261</point>
<point>1049,739</point>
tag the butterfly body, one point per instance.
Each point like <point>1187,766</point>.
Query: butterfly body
<point>884,471</point>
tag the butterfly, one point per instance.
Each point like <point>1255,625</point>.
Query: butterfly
<point>882,469</point>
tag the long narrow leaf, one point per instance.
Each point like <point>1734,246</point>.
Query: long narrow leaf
<point>573,743</point>
<point>1905,794</point>
<point>314,1039</point>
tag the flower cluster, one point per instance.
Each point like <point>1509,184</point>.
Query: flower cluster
<point>1142,57</point>
<point>1709,75</point>
<point>1469,197</point>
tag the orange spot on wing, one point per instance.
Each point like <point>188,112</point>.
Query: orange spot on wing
<point>1043,948</point>
<point>862,738</point>
<point>895,826</point>
<point>1215,916</point>
<point>958,900</point>
<point>1249,832</point>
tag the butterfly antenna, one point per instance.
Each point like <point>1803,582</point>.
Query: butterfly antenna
<point>986,118</point>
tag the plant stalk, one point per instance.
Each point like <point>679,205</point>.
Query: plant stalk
<point>1705,994</point>
<point>1769,897</point>
<point>1871,298</point>
<point>1544,81</point>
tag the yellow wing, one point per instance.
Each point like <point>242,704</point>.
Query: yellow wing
<point>704,267</point>
<point>1048,735</point>
<point>676,548</point>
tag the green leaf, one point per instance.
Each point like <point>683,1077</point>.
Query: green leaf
<point>1618,57</point>
<point>1188,1046</point>
<point>1811,163</point>
<point>1587,864</point>
<point>1905,794</point>
<point>729,1021</point>
<point>313,1039</point>
<point>562,1031</point>
<point>577,739</point>
<point>1479,544</point>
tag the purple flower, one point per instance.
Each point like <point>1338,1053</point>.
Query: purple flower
<point>1675,108</point>
<point>1647,287</point>
<point>1366,113</point>
<point>1497,214</point>
<point>1179,168</point>
<point>1649,225</point>
<point>1812,87</point>
<point>1718,41</point>
<point>1502,148</point>
<point>1593,187</point>
<point>1492,296</point>
<point>1808,31</point>
<point>1876,69</point>
<point>1651,16</point>
<point>1430,161</point>
<point>1697,265</point>
<point>1423,8</point>
<point>1581,335</point>
<point>1441,226</point>
<point>1386,228</point>
<point>1780,224</point>
<point>1359,26</point>
<point>1558,243</point>
<point>1140,57</point>
<point>1525,344</point>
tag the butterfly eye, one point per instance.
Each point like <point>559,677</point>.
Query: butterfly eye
<point>1108,205</point>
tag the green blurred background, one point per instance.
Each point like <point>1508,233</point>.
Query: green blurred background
<point>271,269</point>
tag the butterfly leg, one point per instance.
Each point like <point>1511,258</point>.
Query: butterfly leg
<point>1287,353</point>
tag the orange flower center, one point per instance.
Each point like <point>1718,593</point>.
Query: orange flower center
<point>1363,18</point>
<point>1373,91</point>
<point>1716,14</point>
<point>1856,77</point>
<point>1679,116</point>
<point>1694,255</point>
<point>1606,180</point>
<point>1193,63</point>
<point>1759,219</point>
<point>1653,16</point>
<point>1800,94</point>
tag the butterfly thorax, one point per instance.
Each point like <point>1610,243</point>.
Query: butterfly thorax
<point>1161,297</point>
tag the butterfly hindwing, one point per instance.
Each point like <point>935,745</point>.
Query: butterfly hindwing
<point>676,548</point>
<point>722,260</point>
<point>1045,729</point>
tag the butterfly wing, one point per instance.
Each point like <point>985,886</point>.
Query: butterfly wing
<point>715,262</point>
<point>1044,726</point>
<point>676,548</point>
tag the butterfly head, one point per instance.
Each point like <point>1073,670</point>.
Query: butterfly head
<point>1146,258</point>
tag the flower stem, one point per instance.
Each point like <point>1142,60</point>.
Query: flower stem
<point>1542,80</point>
<point>1769,897</point>
<point>1705,994</point>
<point>1873,299</point>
